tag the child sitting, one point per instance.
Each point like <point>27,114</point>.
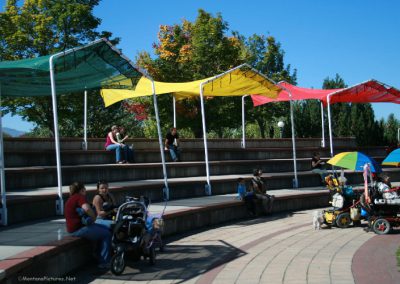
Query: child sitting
<point>246,195</point>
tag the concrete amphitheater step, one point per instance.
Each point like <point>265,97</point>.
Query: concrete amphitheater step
<point>27,158</point>
<point>15,144</point>
<point>32,204</point>
<point>42,176</point>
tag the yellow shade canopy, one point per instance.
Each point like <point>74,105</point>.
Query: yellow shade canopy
<point>239,81</point>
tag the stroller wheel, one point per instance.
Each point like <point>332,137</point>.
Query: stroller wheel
<point>343,220</point>
<point>152,255</point>
<point>118,264</point>
<point>381,226</point>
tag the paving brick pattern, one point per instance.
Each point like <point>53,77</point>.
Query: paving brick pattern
<point>277,249</point>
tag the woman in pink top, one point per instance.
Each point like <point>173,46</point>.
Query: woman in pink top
<point>112,144</point>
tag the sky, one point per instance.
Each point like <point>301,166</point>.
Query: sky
<point>358,39</point>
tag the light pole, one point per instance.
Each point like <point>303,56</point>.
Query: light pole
<point>281,124</point>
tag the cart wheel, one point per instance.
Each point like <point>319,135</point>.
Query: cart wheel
<point>381,226</point>
<point>343,220</point>
<point>152,255</point>
<point>118,264</point>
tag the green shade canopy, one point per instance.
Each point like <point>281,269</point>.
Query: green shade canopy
<point>97,64</point>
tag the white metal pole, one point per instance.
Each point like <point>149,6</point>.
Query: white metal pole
<point>330,124</point>
<point>166,188</point>
<point>323,126</point>
<point>85,144</point>
<point>243,123</point>
<point>174,109</point>
<point>296,181</point>
<point>59,202</point>
<point>4,217</point>
<point>203,120</point>
<point>398,134</point>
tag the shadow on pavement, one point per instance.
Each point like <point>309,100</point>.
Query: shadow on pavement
<point>177,262</point>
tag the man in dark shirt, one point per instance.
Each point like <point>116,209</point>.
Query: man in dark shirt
<point>318,167</point>
<point>172,144</point>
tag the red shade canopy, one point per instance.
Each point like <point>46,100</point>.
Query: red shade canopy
<point>371,91</point>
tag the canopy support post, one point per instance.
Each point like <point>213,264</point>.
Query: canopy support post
<point>59,202</point>
<point>164,168</point>
<point>174,109</point>
<point>203,120</point>
<point>85,144</point>
<point>323,126</point>
<point>243,124</point>
<point>295,181</point>
<point>330,124</point>
<point>398,135</point>
<point>3,216</point>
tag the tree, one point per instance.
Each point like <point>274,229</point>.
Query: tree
<point>200,49</point>
<point>43,27</point>
<point>391,129</point>
<point>336,115</point>
<point>192,51</point>
<point>266,55</point>
<point>308,118</point>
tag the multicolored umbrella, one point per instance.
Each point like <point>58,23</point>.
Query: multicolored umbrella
<point>393,159</point>
<point>354,161</point>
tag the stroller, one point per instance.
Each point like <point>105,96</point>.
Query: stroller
<point>344,209</point>
<point>135,233</point>
<point>382,214</point>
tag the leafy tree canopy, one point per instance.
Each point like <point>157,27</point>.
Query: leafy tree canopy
<point>43,27</point>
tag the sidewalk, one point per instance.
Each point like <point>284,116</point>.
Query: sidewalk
<point>237,252</point>
<point>283,248</point>
<point>17,238</point>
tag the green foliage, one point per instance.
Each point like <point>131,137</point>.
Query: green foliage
<point>43,27</point>
<point>398,257</point>
<point>266,55</point>
<point>200,49</point>
<point>307,118</point>
<point>391,130</point>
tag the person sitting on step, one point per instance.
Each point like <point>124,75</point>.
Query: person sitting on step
<point>113,144</point>
<point>259,189</point>
<point>105,205</point>
<point>172,144</point>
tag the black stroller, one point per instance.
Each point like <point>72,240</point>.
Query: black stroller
<point>132,236</point>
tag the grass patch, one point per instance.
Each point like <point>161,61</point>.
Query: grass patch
<point>398,258</point>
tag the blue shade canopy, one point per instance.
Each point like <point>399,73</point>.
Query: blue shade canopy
<point>393,159</point>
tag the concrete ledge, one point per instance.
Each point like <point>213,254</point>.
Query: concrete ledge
<point>40,203</point>
<point>29,158</point>
<point>144,143</point>
<point>60,257</point>
<point>53,260</point>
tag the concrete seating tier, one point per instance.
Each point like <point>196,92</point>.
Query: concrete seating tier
<point>43,176</point>
<point>27,158</point>
<point>40,144</point>
<point>40,203</point>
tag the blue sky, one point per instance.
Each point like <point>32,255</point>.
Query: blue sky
<point>357,39</point>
